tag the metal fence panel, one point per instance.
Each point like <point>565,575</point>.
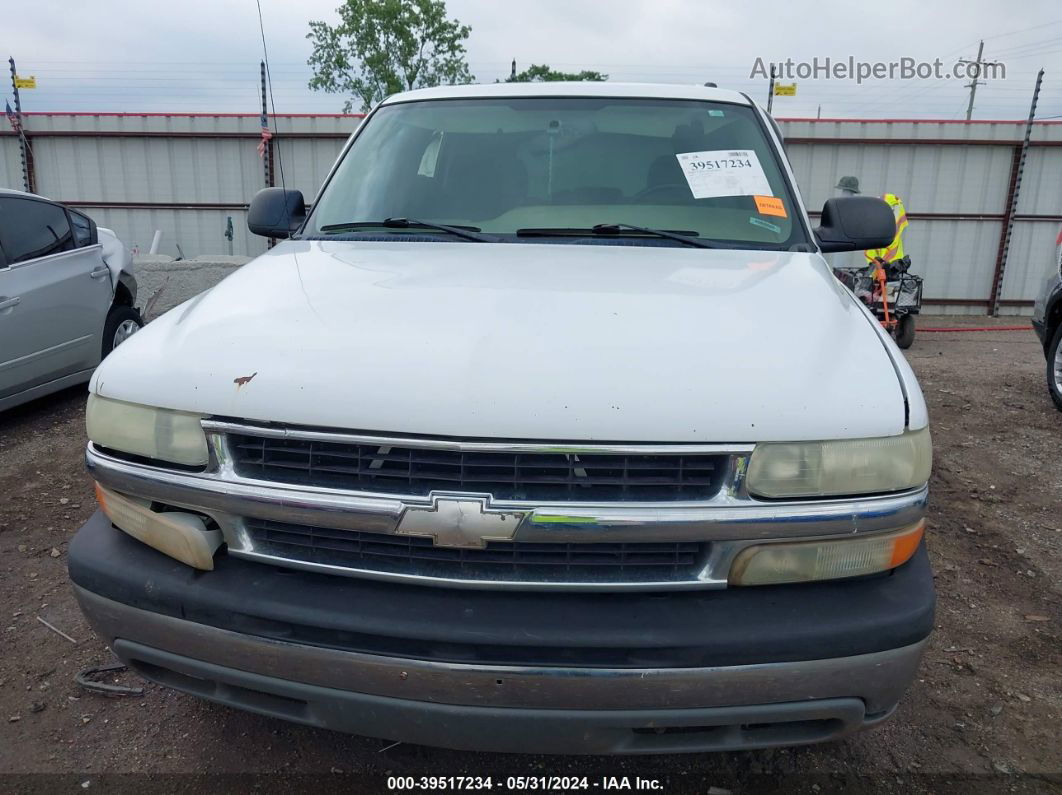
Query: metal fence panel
<point>187,233</point>
<point>922,131</point>
<point>305,163</point>
<point>10,163</point>
<point>937,179</point>
<point>956,258</point>
<point>148,170</point>
<point>954,179</point>
<point>1041,185</point>
<point>1032,258</point>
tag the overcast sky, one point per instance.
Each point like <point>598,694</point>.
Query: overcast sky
<point>200,55</point>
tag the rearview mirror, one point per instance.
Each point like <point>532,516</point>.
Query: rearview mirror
<point>855,223</point>
<point>276,212</point>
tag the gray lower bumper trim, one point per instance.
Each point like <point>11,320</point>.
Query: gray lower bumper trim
<point>558,731</point>
<point>876,680</point>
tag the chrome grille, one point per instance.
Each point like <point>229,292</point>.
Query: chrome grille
<point>512,561</point>
<point>535,476</point>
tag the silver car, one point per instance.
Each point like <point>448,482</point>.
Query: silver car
<point>67,296</point>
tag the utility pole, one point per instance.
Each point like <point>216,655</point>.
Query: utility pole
<point>1012,200</point>
<point>512,72</point>
<point>770,91</point>
<point>267,155</point>
<point>267,144</point>
<point>974,82</point>
<point>25,151</point>
<point>818,113</point>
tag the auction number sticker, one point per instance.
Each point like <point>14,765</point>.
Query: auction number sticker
<point>724,172</point>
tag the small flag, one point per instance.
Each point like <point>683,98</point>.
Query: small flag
<point>12,117</point>
<point>266,136</point>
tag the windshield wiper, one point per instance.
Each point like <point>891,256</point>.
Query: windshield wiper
<point>617,229</point>
<point>466,232</point>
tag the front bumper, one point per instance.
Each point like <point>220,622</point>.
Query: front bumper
<point>543,672</point>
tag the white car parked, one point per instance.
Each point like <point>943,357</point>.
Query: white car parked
<point>67,295</point>
<point>514,445</point>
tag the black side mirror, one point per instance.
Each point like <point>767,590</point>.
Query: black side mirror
<point>276,212</point>
<point>855,223</point>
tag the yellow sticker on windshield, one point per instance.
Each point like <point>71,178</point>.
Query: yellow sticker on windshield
<point>770,205</point>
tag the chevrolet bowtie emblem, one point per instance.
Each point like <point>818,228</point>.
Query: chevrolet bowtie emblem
<point>463,523</point>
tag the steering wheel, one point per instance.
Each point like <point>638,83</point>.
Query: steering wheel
<point>654,189</point>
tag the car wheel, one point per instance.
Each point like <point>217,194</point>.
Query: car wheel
<point>905,332</point>
<point>1054,367</point>
<point>122,323</point>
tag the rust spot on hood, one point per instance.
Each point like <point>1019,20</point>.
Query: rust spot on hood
<point>244,379</point>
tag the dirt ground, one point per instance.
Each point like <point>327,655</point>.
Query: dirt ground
<point>982,716</point>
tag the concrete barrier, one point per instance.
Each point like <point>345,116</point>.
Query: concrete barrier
<point>165,282</point>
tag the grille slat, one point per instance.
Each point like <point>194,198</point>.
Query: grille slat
<point>499,560</point>
<point>416,471</point>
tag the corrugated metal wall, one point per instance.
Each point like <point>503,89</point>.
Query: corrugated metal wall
<point>186,174</point>
<point>955,180</point>
<point>182,174</point>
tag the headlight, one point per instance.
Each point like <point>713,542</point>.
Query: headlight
<point>806,561</point>
<point>181,535</point>
<point>841,467</point>
<point>162,434</point>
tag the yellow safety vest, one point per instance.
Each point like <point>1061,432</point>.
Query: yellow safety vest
<point>895,249</point>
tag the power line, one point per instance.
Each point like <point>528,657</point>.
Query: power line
<point>1025,30</point>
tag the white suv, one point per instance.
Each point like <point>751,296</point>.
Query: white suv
<point>513,445</point>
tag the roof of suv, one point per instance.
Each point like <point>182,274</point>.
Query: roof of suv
<point>10,192</point>
<point>584,89</point>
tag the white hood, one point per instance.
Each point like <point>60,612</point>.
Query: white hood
<point>523,341</point>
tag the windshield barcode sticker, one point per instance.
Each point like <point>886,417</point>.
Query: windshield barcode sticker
<point>724,172</point>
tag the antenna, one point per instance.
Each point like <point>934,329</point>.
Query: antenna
<point>269,79</point>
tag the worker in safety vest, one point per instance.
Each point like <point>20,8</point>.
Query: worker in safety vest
<point>894,250</point>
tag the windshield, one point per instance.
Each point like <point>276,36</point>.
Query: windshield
<point>532,169</point>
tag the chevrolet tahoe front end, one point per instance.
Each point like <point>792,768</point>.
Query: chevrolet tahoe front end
<point>517,476</point>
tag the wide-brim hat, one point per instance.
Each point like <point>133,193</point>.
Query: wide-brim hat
<point>848,183</point>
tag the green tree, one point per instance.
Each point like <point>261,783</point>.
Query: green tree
<point>540,73</point>
<point>381,47</point>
